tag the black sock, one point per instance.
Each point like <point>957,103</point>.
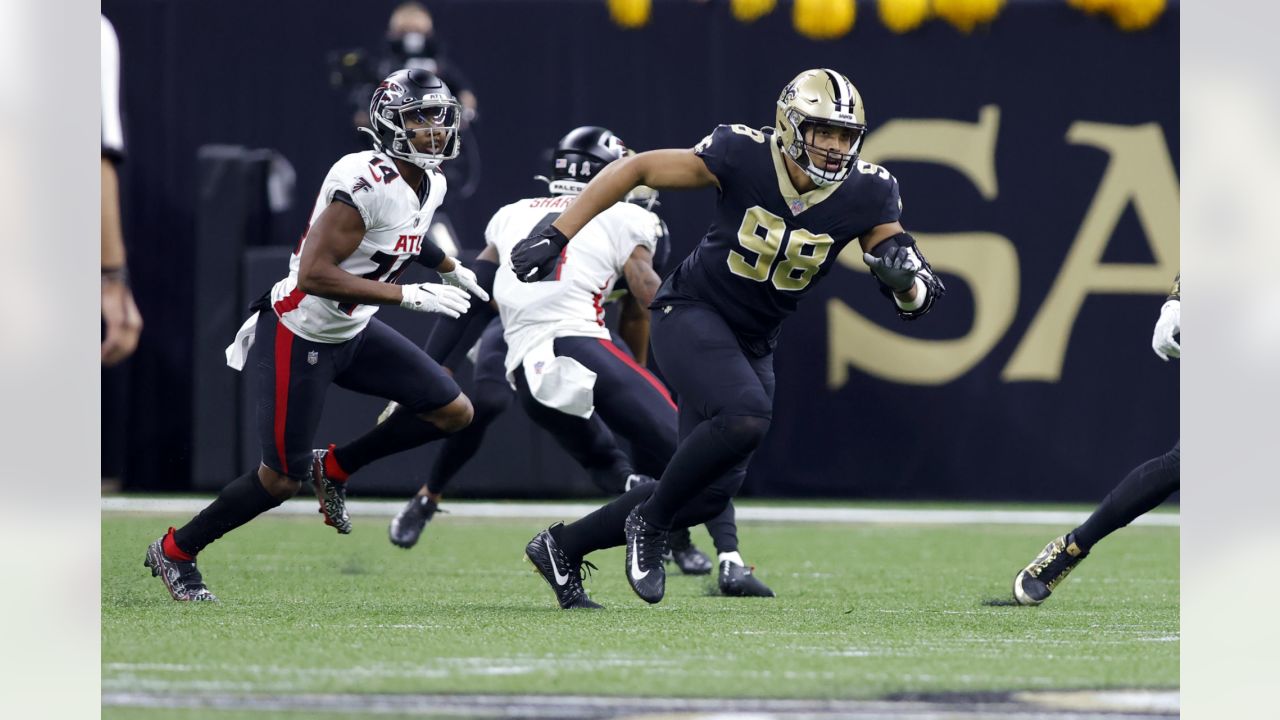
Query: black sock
<point>1145,487</point>
<point>724,531</point>
<point>602,528</point>
<point>240,501</point>
<point>707,453</point>
<point>402,431</point>
<point>458,449</point>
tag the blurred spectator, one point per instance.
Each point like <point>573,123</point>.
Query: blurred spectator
<point>122,323</point>
<point>411,43</point>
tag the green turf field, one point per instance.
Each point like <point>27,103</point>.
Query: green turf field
<point>862,611</point>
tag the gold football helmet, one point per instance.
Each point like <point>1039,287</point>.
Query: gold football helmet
<point>820,97</point>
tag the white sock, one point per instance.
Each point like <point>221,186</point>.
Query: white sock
<point>732,557</point>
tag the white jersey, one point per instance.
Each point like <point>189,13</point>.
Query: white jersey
<point>395,227</point>
<point>570,303</point>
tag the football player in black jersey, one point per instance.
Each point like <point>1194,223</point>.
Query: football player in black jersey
<point>1142,490</point>
<point>790,199</point>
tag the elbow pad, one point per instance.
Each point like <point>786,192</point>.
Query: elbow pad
<point>926,279</point>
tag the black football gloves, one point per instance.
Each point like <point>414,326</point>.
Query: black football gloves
<point>896,269</point>
<point>535,257</point>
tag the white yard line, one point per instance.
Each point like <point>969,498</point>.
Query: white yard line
<point>570,511</point>
<point>1090,705</point>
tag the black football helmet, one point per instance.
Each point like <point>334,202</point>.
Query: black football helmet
<point>580,155</point>
<point>421,96</point>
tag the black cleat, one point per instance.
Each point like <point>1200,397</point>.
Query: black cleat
<point>332,494</point>
<point>563,575</point>
<point>407,525</point>
<point>687,556</point>
<point>740,581</point>
<point>181,577</point>
<point>1035,583</point>
<point>646,546</point>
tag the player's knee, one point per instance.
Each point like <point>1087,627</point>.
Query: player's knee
<point>742,433</point>
<point>278,485</point>
<point>455,416</point>
<point>489,401</point>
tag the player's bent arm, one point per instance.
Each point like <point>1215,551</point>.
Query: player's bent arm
<point>642,280</point>
<point>332,238</point>
<point>878,235</point>
<point>901,269</point>
<point>633,326</point>
<point>660,169</point>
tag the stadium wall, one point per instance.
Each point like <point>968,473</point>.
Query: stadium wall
<point>1038,162</point>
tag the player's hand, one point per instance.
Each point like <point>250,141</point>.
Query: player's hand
<point>897,269</point>
<point>462,277</point>
<point>533,258</point>
<point>1169,324</point>
<point>435,297</point>
<point>122,320</point>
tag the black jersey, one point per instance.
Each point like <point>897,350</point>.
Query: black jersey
<point>768,245</point>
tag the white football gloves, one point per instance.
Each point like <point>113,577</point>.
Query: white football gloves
<point>1169,324</point>
<point>463,278</point>
<point>435,297</point>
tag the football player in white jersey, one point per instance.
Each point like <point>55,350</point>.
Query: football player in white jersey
<point>316,326</point>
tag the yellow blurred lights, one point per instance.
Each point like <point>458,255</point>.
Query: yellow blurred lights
<point>903,16</point>
<point>751,10</point>
<point>630,14</point>
<point>965,15</point>
<point>824,19</point>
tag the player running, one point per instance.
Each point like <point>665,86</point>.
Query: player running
<point>316,327</point>
<point>790,199</point>
<point>1144,488</point>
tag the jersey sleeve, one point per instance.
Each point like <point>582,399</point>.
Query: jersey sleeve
<point>352,181</point>
<point>112,126</point>
<point>628,227</point>
<point>493,232</point>
<point>891,207</point>
<point>716,150</point>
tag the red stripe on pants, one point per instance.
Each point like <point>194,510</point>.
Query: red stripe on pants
<point>284,353</point>
<point>648,376</point>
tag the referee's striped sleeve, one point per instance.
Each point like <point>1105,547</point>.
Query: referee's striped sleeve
<point>112,127</point>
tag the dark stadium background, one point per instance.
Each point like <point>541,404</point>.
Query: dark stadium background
<point>254,74</point>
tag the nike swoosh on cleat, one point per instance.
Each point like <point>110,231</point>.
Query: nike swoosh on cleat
<point>560,579</point>
<point>635,567</point>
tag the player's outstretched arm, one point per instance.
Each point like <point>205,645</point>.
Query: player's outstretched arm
<point>534,256</point>
<point>659,169</point>
<point>896,261</point>
<point>332,238</point>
